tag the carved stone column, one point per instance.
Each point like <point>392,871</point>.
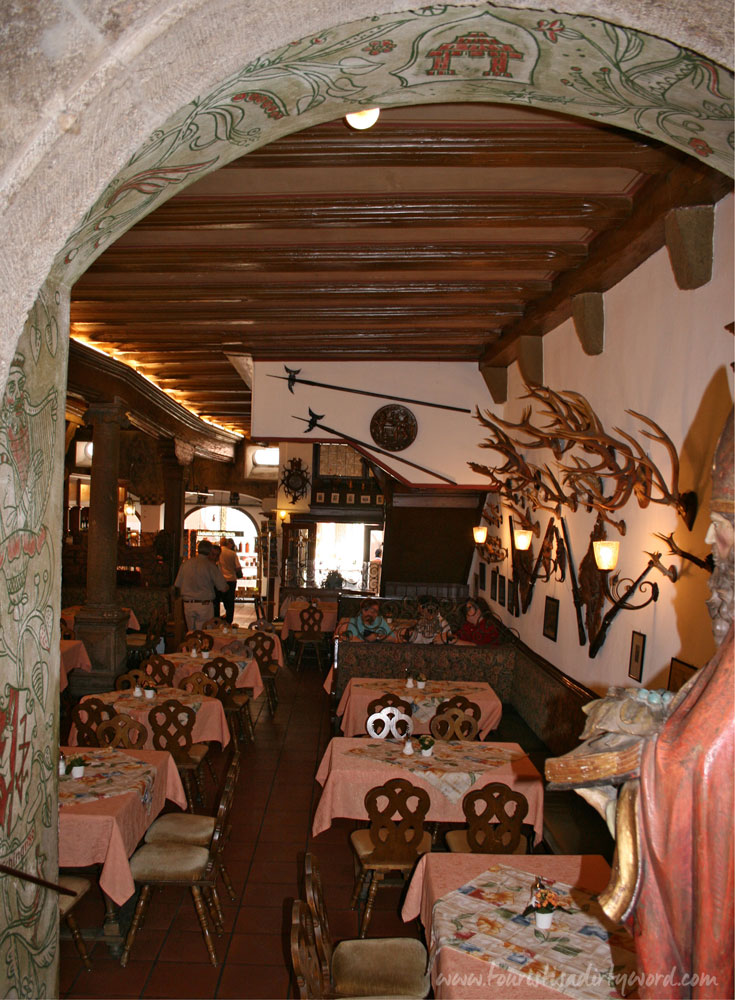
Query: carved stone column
<point>101,624</point>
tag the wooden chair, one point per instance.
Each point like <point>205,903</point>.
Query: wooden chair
<point>389,700</point>
<point>67,632</point>
<point>304,956</point>
<point>215,623</point>
<point>199,683</point>
<point>171,725</point>
<point>495,815</point>
<point>79,886</point>
<point>122,731</point>
<point>310,635</point>
<point>141,645</point>
<point>464,704</point>
<point>389,844</point>
<point>207,641</point>
<point>359,967</point>
<point>263,646</point>
<point>160,670</point>
<point>390,723</point>
<point>235,703</point>
<point>131,679</point>
<point>169,863</point>
<point>187,828</point>
<point>454,724</point>
<point>87,716</point>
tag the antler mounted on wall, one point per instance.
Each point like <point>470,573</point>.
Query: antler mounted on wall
<point>619,469</point>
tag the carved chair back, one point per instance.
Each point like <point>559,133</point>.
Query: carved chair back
<point>171,725</point>
<point>160,670</point>
<point>464,704</point>
<point>454,724</point>
<point>224,673</point>
<point>215,623</point>
<point>315,901</point>
<point>389,723</point>
<point>199,683</point>
<point>122,731</point>
<point>398,839</point>
<point>87,716</point>
<point>131,679</point>
<point>206,640</point>
<point>304,956</point>
<point>310,619</point>
<point>389,700</point>
<point>495,815</point>
<point>189,645</point>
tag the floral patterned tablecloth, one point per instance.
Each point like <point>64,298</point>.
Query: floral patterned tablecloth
<point>107,772</point>
<point>453,767</point>
<point>583,955</point>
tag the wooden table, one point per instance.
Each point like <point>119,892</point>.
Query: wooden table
<point>458,974</point>
<point>360,691</point>
<point>292,621</point>
<point>74,656</point>
<point>106,831</point>
<point>248,676</point>
<point>210,723</point>
<point>69,614</point>
<point>350,768</point>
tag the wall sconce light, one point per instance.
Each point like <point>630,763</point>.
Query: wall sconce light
<point>606,554</point>
<point>479,533</point>
<point>129,506</point>
<point>488,547</point>
<point>361,120</point>
<point>619,597</point>
<point>522,538</point>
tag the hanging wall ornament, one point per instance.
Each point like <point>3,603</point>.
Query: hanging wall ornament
<point>295,480</point>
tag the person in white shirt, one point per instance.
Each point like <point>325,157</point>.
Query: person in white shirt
<point>198,580</point>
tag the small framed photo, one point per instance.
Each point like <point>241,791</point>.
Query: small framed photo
<point>482,579</point>
<point>551,618</point>
<point>679,674</point>
<point>334,498</point>
<point>501,590</point>
<point>319,498</point>
<point>493,584</point>
<point>637,651</point>
<point>364,498</point>
<point>350,498</point>
<point>379,498</point>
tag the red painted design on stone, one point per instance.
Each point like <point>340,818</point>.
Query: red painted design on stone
<point>14,747</point>
<point>475,45</point>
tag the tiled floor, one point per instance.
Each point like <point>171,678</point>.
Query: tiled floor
<point>270,832</point>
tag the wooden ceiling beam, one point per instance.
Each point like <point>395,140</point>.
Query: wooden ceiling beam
<point>192,214</point>
<point>198,316</point>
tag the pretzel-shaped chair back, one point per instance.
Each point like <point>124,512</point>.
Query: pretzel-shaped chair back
<point>396,840</point>
<point>391,722</point>
<point>454,724</point>
<point>122,731</point>
<point>495,814</point>
<point>87,715</point>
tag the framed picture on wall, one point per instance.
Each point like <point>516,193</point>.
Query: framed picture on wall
<point>319,498</point>
<point>511,597</point>
<point>493,585</point>
<point>637,650</point>
<point>334,498</point>
<point>364,498</point>
<point>378,497</point>
<point>482,571</point>
<point>350,498</point>
<point>501,590</point>
<point>551,618</point>
<point>679,674</point>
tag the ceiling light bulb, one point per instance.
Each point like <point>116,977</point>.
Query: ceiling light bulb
<point>363,119</point>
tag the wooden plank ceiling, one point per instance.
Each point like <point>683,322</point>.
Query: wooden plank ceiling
<point>444,232</point>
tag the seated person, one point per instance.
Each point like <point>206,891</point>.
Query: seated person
<point>369,625</point>
<point>430,627</point>
<point>476,630</point>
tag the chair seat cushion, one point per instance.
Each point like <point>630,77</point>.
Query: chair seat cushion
<point>363,845</point>
<point>181,828</point>
<point>169,862</point>
<point>240,699</point>
<point>76,884</point>
<point>395,967</point>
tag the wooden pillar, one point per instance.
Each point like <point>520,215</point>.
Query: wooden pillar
<point>174,463</point>
<point>102,624</point>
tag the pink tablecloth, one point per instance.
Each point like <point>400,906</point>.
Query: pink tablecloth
<point>360,691</point>
<point>232,643</point>
<point>210,724</point>
<point>69,614</point>
<point>106,832</point>
<point>73,657</point>
<point>455,974</point>
<point>346,774</point>
<point>292,621</point>
<point>248,677</point>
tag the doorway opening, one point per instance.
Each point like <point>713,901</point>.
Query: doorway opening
<point>214,523</point>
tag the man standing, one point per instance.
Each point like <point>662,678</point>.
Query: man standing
<point>198,580</point>
<point>229,563</point>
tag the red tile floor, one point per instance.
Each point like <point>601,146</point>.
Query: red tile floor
<point>271,822</point>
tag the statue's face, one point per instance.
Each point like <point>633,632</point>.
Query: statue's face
<point>721,536</point>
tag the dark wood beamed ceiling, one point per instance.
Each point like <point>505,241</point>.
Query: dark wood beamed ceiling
<point>446,232</point>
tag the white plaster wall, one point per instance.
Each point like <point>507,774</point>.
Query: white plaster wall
<point>668,356</point>
<point>446,441</point>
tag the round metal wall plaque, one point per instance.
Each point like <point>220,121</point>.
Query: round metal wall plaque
<point>393,427</point>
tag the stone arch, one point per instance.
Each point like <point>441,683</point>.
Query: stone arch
<point>108,123</point>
